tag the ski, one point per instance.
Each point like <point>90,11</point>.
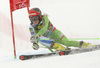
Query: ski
<point>67,52</point>
<point>25,57</point>
<point>81,50</point>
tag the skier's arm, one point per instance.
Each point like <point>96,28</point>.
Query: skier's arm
<point>33,38</point>
<point>31,29</point>
<point>45,21</point>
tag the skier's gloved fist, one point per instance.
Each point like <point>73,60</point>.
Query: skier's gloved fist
<point>34,38</point>
<point>35,46</point>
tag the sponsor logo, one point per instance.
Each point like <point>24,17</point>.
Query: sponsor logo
<point>33,14</point>
<point>21,5</point>
<point>61,35</point>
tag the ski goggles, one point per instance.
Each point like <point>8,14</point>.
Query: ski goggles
<point>34,18</point>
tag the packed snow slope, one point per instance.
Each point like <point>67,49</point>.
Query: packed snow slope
<point>75,18</point>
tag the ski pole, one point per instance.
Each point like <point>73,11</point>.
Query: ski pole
<point>76,39</point>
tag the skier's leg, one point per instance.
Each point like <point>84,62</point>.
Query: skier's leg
<point>70,43</point>
<point>52,45</point>
<point>62,39</point>
<point>57,46</point>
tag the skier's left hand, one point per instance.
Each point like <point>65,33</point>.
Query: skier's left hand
<point>34,38</point>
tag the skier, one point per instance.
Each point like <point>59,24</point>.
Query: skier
<point>41,26</point>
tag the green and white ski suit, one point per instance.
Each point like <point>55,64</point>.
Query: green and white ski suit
<point>46,29</point>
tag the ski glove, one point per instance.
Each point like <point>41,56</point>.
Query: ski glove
<point>34,38</point>
<point>35,46</point>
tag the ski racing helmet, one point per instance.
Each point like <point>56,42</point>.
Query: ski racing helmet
<point>35,14</point>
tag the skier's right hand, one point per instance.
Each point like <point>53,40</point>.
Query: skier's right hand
<point>34,39</point>
<point>35,46</point>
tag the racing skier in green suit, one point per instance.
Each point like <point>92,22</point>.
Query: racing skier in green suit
<point>41,26</point>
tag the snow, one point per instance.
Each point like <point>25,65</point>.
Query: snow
<point>75,18</point>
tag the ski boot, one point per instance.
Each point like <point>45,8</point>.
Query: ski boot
<point>86,45</point>
<point>60,49</point>
<point>57,46</point>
